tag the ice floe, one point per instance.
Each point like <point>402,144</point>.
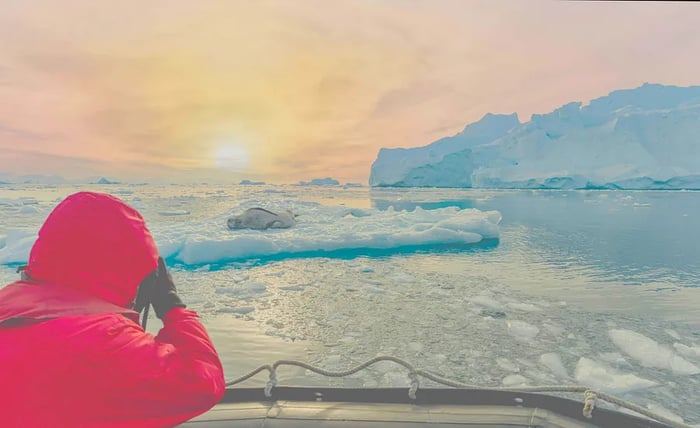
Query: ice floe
<point>599,376</point>
<point>650,353</point>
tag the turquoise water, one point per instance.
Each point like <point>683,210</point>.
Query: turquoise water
<point>570,269</point>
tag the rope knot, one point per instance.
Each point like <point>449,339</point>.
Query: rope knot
<point>271,383</point>
<point>413,376</point>
<point>589,402</point>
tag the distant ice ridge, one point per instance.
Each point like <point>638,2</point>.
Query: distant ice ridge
<point>643,138</point>
<point>318,229</point>
<point>328,181</point>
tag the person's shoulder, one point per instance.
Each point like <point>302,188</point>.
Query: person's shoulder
<point>100,336</point>
<point>95,330</point>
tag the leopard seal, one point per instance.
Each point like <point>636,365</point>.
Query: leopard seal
<point>261,219</point>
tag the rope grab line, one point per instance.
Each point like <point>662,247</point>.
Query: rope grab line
<point>590,396</point>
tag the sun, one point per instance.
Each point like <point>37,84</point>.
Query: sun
<point>231,157</point>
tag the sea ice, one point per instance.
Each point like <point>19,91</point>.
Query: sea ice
<point>15,246</point>
<point>673,334</point>
<point>604,378</point>
<point>687,351</point>
<point>526,307</point>
<point>651,354</point>
<point>514,380</point>
<point>29,209</point>
<point>522,331</point>
<point>486,301</point>
<point>322,229</point>
<point>507,365</point>
<point>552,361</point>
<point>662,411</point>
<point>169,213</point>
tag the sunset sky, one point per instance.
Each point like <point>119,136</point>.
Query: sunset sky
<point>284,91</point>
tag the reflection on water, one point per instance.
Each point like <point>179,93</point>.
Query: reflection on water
<point>626,237</point>
<point>401,204</point>
<point>608,250</point>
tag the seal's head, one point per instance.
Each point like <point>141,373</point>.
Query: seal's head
<point>96,243</point>
<point>234,223</point>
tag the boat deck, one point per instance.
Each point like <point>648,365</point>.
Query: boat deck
<point>376,408</point>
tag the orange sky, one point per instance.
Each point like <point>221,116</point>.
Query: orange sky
<point>284,91</point>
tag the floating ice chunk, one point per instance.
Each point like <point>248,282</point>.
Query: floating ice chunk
<point>649,353</point>
<point>244,291</point>
<point>662,411</point>
<point>10,202</point>
<point>553,362</point>
<point>673,334</point>
<point>507,365</point>
<point>173,212</point>
<point>514,380</point>
<point>241,310</point>
<point>486,301</point>
<point>522,331</point>
<point>604,378</point>
<point>240,278</point>
<point>199,250</point>
<point>526,307</point>
<point>325,229</point>
<point>613,358</point>
<point>15,246</point>
<point>554,329</point>
<point>687,351</point>
<point>29,209</point>
<point>293,288</point>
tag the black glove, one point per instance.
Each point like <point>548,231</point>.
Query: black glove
<point>159,290</point>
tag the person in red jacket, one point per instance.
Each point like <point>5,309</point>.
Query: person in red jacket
<point>72,352</point>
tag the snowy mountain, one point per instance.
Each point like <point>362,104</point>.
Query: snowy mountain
<point>103,180</point>
<point>642,138</point>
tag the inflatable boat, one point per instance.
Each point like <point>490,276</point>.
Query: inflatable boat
<point>291,407</point>
<point>461,405</point>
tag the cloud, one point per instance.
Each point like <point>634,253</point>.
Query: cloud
<point>313,86</point>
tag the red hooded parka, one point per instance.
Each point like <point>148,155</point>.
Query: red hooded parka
<point>72,354</point>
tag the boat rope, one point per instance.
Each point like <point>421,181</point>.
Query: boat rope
<point>590,396</point>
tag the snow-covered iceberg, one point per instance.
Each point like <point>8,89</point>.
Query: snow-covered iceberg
<point>642,138</point>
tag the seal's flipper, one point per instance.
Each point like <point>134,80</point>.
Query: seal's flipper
<point>272,224</point>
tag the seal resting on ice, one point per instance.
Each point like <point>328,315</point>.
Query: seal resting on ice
<point>260,218</point>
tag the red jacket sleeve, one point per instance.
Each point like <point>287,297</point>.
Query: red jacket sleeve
<point>156,381</point>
